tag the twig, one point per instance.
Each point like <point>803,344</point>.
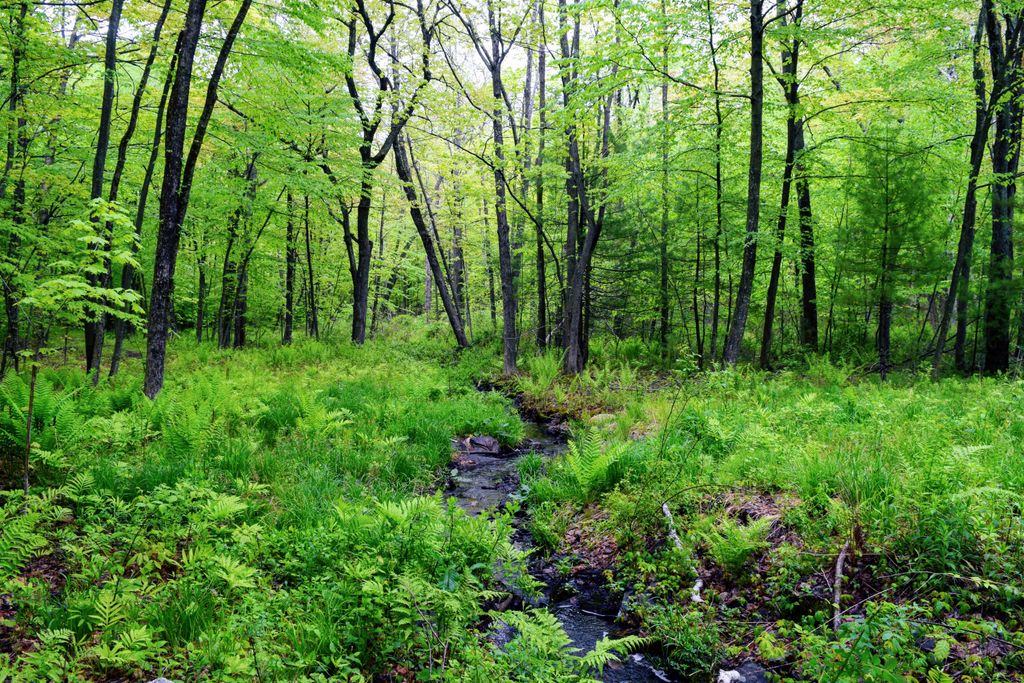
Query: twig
<point>837,586</point>
<point>672,534</point>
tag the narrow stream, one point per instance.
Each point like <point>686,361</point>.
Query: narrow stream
<point>485,477</point>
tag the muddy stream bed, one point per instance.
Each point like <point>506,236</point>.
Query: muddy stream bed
<point>485,476</point>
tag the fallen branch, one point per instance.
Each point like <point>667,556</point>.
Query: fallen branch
<point>837,586</point>
<point>672,535</point>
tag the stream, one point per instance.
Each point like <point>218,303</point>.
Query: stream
<point>484,477</point>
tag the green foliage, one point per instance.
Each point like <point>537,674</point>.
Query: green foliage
<point>689,638</point>
<point>239,512</point>
<point>733,545</point>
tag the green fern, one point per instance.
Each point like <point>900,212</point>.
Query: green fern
<point>588,469</point>
<point>21,538</point>
<point>607,650</point>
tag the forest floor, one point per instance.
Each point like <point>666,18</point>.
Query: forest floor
<point>314,513</point>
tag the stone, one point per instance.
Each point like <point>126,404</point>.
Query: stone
<point>748,672</point>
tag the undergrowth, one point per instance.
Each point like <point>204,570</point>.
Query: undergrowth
<point>918,486</point>
<point>275,514</point>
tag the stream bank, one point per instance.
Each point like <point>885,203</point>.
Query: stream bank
<point>485,476</point>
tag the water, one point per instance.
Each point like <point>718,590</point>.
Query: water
<point>485,481</point>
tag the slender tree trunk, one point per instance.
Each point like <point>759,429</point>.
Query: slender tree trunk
<point>576,330</point>
<point>739,318</point>
<point>404,171</point>
<point>291,260</point>
<point>542,293</point>
<point>94,327</point>
<point>780,236</point>
<point>128,274</point>
<point>428,289</point>
<point>963,312</point>
<point>169,232</point>
<point>177,183</point>
<point>808,267</point>
<point>17,145</point>
<point>1006,52</point>
<point>313,322</point>
<point>201,296</point>
<point>510,335</point>
<point>490,270</point>
<point>717,246</point>
<point>240,308</point>
<point>228,285</point>
<point>663,294</point>
<point>959,281</point>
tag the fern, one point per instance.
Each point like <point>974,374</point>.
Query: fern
<point>588,469</point>
<point>732,545</point>
<point>20,537</point>
<point>607,650</point>
<point>223,507</point>
<point>235,574</point>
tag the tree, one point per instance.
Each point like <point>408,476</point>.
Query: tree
<point>177,181</point>
<point>731,352</point>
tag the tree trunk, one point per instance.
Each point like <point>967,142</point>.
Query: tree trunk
<point>291,260</point>
<point>542,293</point>
<point>663,298</point>
<point>1006,52</point>
<point>17,144</point>
<point>451,309</point>
<point>742,306</point>
<point>510,336</point>
<point>177,183</point>
<point>808,273</point>
<point>169,232</point>
<point>128,274</point>
<point>94,326</point>
<point>716,305</point>
<point>959,280</point>
<point>313,319</point>
<point>780,236</point>
<point>201,296</point>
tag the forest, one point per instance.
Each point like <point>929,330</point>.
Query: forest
<point>511,340</point>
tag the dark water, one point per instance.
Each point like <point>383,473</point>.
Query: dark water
<point>485,481</point>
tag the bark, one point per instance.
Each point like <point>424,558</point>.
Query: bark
<point>663,294</point>
<point>94,326</point>
<point>577,326</point>
<point>788,79</point>
<point>734,339</point>
<point>177,182</point>
<point>1005,52</point>
<point>128,274</point>
<point>291,261</point>
<point>885,304</point>
<point>228,283</point>
<point>717,299</point>
<point>17,145</point>
<point>510,335</point>
<point>370,120</point>
<point>960,279</point>
<point>201,294</point>
<point>404,170</point>
<point>542,294</point>
<point>313,319</point>
<point>808,263</point>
